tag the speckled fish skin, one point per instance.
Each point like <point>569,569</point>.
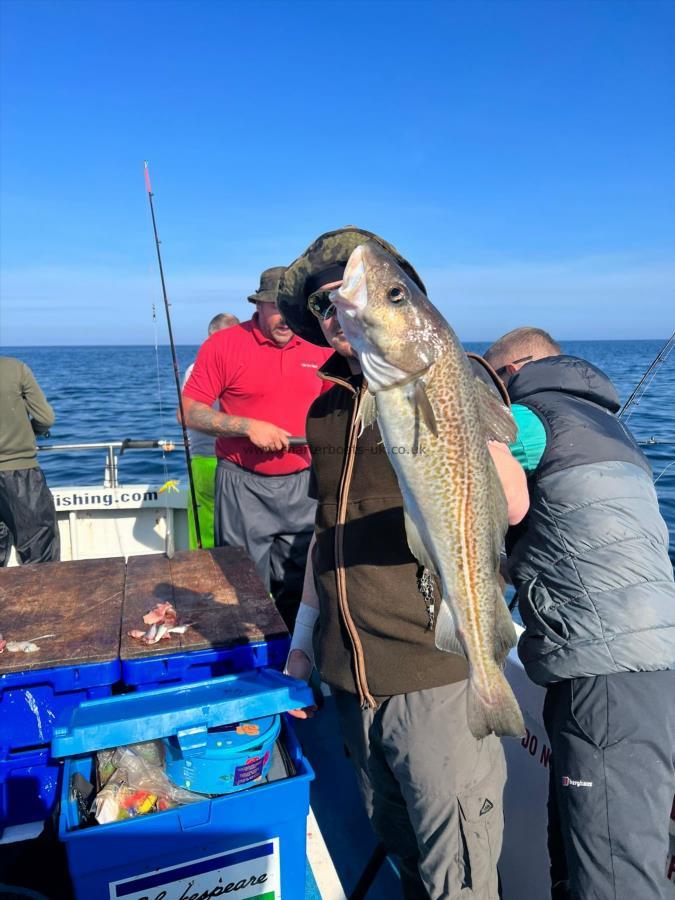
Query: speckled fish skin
<point>455,506</point>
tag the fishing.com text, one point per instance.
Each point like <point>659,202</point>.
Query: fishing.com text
<point>104,499</point>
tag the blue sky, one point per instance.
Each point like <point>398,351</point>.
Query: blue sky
<point>519,153</point>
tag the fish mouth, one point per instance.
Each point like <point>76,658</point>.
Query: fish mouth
<point>352,295</point>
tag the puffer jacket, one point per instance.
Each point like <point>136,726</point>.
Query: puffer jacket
<point>590,561</point>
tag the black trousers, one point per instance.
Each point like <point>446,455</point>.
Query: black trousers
<point>612,784</point>
<point>27,517</point>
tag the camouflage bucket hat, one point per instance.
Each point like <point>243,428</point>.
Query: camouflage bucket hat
<point>269,285</point>
<point>323,262</point>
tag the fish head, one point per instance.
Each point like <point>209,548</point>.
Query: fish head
<point>393,327</point>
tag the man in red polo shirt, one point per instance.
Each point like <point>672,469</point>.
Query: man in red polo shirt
<point>265,377</point>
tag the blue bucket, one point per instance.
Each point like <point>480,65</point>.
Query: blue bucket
<point>224,759</point>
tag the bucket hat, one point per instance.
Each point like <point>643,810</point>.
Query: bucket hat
<point>323,262</point>
<point>269,284</point>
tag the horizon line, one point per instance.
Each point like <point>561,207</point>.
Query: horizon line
<point>199,343</point>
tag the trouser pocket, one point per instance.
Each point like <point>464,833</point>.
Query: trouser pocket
<point>480,827</point>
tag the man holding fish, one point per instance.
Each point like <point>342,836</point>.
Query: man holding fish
<point>402,601</point>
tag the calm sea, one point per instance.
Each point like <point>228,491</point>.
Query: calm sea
<point>112,393</point>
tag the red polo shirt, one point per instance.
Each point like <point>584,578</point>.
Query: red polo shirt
<point>254,378</point>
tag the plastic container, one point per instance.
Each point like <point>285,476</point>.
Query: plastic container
<point>230,758</point>
<point>250,843</point>
<point>198,665</point>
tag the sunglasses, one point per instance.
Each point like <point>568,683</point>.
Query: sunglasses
<point>503,370</point>
<point>319,303</point>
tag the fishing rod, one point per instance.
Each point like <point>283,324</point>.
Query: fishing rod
<point>176,372</point>
<point>652,369</point>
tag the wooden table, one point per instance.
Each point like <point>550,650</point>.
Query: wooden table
<point>219,591</point>
<point>79,602</point>
<point>89,606</point>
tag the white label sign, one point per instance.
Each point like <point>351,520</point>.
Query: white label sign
<point>133,496</point>
<point>246,873</point>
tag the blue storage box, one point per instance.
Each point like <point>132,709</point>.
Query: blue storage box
<point>29,784</point>
<point>29,704</point>
<point>250,843</point>
<point>198,665</point>
<point>30,701</point>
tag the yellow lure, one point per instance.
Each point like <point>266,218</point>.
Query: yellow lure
<point>171,485</point>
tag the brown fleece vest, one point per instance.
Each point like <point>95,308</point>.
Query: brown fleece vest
<point>374,636</point>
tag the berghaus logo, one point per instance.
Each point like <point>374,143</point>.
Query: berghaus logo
<point>573,782</point>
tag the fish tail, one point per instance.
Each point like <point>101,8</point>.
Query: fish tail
<point>500,714</point>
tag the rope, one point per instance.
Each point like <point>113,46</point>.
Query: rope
<point>663,471</point>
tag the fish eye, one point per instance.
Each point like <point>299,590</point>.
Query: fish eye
<point>396,294</point>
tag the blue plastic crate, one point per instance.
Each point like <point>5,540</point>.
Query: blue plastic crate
<point>253,841</point>
<point>31,701</point>
<point>29,786</point>
<point>199,665</point>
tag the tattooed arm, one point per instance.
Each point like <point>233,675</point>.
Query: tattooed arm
<point>264,435</point>
<point>204,418</point>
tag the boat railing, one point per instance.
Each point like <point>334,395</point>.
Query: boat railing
<point>114,449</point>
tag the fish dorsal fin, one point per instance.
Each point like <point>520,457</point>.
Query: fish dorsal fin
<point>496,417</point>
<point>445,633</point>
<point>416,544</point>
<point>424,407</point>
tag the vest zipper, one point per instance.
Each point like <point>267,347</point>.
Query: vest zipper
<point>365,697</point>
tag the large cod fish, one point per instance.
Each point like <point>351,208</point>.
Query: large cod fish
<point>436,417</point>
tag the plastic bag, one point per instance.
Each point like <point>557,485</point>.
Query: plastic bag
<point>138,784</point>
<point>151,751</point>
<point>104,766</point>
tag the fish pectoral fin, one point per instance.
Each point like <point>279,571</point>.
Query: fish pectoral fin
<point>496,417</point>
<point>424,407</point>
<point>445,632</point>
<point>505,632</point>
<point>416,545</point>
<point>368,411</point>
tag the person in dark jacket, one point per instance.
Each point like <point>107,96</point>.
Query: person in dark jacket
<point>432,791</point>
<point>596,595</point>
<point>27,513</point>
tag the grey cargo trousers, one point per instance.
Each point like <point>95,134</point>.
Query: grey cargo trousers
<point>433,793</point>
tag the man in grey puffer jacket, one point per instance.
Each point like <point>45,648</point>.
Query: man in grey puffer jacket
<point>596,594</point>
